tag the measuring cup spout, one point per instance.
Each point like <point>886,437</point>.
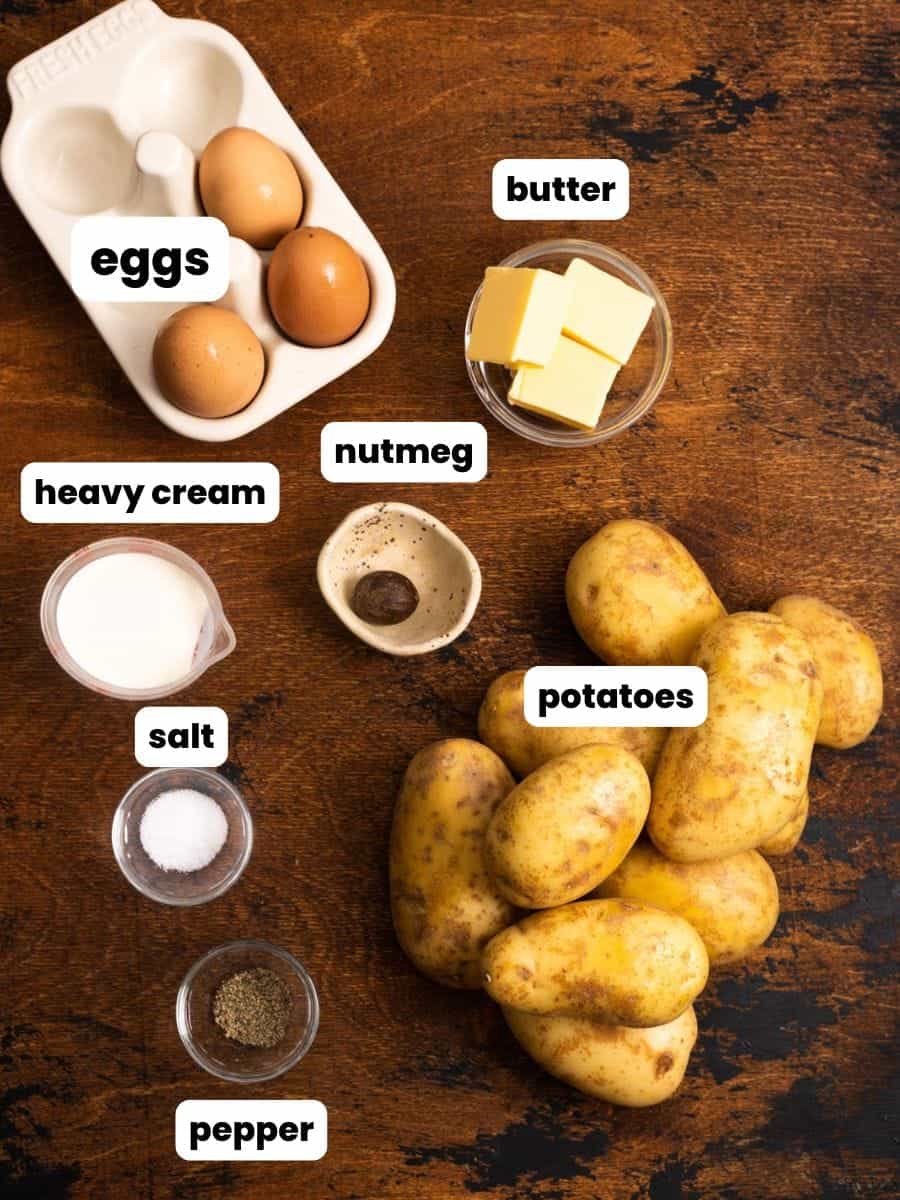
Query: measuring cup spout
<point>223,642</point>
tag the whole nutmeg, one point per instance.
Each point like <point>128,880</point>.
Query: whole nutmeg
<point>384,598</point>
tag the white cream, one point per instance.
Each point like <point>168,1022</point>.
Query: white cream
<point>132,620</point>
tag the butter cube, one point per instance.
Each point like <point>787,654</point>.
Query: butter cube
<point>519,316</point>
<point>572,388</point>
<point>605,313</point>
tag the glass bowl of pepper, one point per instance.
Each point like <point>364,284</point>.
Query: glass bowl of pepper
<point>247,1011</point>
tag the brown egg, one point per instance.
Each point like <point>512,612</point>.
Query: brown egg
<point>318,287</point>
<point>251,185</point>
<point>207,361</point>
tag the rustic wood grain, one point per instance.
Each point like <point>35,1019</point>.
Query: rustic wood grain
<point>759,137</point>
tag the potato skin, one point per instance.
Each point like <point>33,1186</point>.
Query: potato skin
<point>734,781</point>
<point>617,961</point>
<point>787,839</point>
<point>631,1067</point>
<point>524,747</point>
<point>444,906</point>
<point>567,826</point>
<point>637,597</point>
<point>848,665</point>
<point>731,902</point>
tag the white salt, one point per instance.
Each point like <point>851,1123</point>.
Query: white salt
<point>183,830</point>
<point>132,620</point>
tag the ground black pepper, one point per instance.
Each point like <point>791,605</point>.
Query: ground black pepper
<point>252,1007</point>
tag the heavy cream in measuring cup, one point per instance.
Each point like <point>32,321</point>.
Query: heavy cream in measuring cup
<point>132,620</point>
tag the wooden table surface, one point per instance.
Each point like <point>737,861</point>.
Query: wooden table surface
<point>758,136</point>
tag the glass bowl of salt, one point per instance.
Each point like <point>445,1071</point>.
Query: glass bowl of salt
<point>182,836</point>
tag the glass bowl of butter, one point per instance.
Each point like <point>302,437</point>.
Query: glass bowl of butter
<point>568,342</point>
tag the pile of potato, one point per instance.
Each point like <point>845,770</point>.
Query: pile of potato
<point>597,982</point>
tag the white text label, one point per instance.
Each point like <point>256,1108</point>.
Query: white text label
<point>173,736</point>
<point>560,189</point>
<point>251,1130</point>
<point>404,452</point>
<point>663,697</point>
<point>161,259</point>
<point>82,493</point>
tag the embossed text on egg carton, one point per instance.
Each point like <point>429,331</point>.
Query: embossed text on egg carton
<point>70,53</point>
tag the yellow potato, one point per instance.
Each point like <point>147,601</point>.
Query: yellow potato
<point>734,781</point>
<point>848,665</point>
<point>444,906</point>
<point>566,826</point>
<point>616,961</point>
<point>731,902</point>
<point>524,747</point>
<point>633,1067</point>
<point>788,836</point>
<point>637,597</point>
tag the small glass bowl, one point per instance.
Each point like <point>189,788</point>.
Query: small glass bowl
<point>637,384</point>
<point>216,639</point>
<point>207,1044</point>
<point>182,888</point>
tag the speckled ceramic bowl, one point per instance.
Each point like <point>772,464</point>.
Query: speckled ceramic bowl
<point>399,537</point>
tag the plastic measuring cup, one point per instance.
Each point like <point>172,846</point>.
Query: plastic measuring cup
<point>215,642</point>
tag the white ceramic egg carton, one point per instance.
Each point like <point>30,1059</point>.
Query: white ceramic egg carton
<point>110,119</point>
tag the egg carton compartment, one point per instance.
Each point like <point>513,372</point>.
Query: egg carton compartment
<point>111,118</point>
